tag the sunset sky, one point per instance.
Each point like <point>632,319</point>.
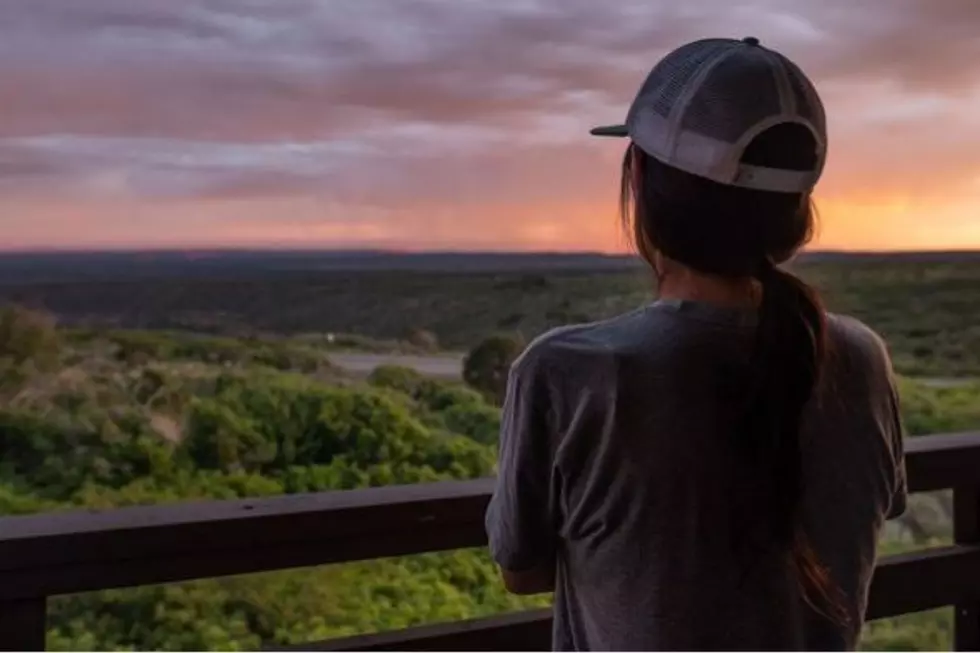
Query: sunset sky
<point>444,124</point>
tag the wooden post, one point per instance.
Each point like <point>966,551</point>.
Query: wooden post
<point>966,530</point>
<point>23,624</point>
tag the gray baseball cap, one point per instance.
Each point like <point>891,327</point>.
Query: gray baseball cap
<point>703,103</point>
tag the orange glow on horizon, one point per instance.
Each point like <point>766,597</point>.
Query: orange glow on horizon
<point>845,223</point>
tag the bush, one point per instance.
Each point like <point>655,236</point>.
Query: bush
<point>487,365</point>
<point>425,340</point>
<point>141,347</point>
<point>28,336</point>
<point>56,453</point>
<point>930,410</point>
<point>395,377</point>
<point>478,422</point>
<point>270,423</point>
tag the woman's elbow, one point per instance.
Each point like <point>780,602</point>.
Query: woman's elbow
<point>532,581</point>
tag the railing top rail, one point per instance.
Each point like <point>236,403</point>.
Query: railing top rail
<point>942,442</point>
<point>392,498</point>
<point>939,462</point>
<point>58,553</point>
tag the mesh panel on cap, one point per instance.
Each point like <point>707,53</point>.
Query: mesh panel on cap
<point>670,77</point>
<point>738,93</point>
<point>805,94</point>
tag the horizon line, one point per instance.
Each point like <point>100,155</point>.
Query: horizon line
<point>231,249</point>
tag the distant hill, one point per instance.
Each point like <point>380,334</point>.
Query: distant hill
<point>53,267</point>
<point>56,267</point>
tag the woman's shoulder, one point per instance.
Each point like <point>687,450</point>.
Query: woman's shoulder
<point>853,331</point>
<point>849,335</point>
<point>583,348</point>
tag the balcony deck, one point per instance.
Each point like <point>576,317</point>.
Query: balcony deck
<point>60,553</point>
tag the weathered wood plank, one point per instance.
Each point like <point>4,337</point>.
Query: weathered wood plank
<point>42,537</point>
<point>139,546</point>
<point>516,631</point>
<point>23,624</point>
<point>912,582</point>
<point>940,462</point>
<point>966,530</point>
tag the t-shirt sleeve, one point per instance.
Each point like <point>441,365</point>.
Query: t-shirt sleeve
<point>520,521</point>
<point>896,436</point>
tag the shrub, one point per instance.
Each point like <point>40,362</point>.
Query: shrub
<point>487,365</point>
<point>423,339</point>
<point>28,336</point>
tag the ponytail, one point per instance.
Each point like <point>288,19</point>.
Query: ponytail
<point>738,233</point>
<point>787,357</point>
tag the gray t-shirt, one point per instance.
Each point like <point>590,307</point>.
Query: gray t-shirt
<point>616,465</point>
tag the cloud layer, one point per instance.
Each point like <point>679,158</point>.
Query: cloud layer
<point>441,122</point>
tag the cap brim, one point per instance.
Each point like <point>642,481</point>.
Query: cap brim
<point>610,130</point>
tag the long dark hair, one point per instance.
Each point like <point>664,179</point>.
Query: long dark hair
<point>738,233</point>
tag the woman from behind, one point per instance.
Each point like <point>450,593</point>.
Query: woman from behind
<point>710,471</point>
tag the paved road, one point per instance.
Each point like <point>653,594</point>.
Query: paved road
<point>939,382</point>
<point>450,366</point>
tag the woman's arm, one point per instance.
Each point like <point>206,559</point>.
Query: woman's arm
<point>520,525</point>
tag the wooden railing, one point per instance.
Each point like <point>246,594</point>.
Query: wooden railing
<point>50,554</point>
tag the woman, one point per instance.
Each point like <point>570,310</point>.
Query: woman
<point>710,471</point>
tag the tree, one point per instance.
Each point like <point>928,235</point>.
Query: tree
<point>487,365</point>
